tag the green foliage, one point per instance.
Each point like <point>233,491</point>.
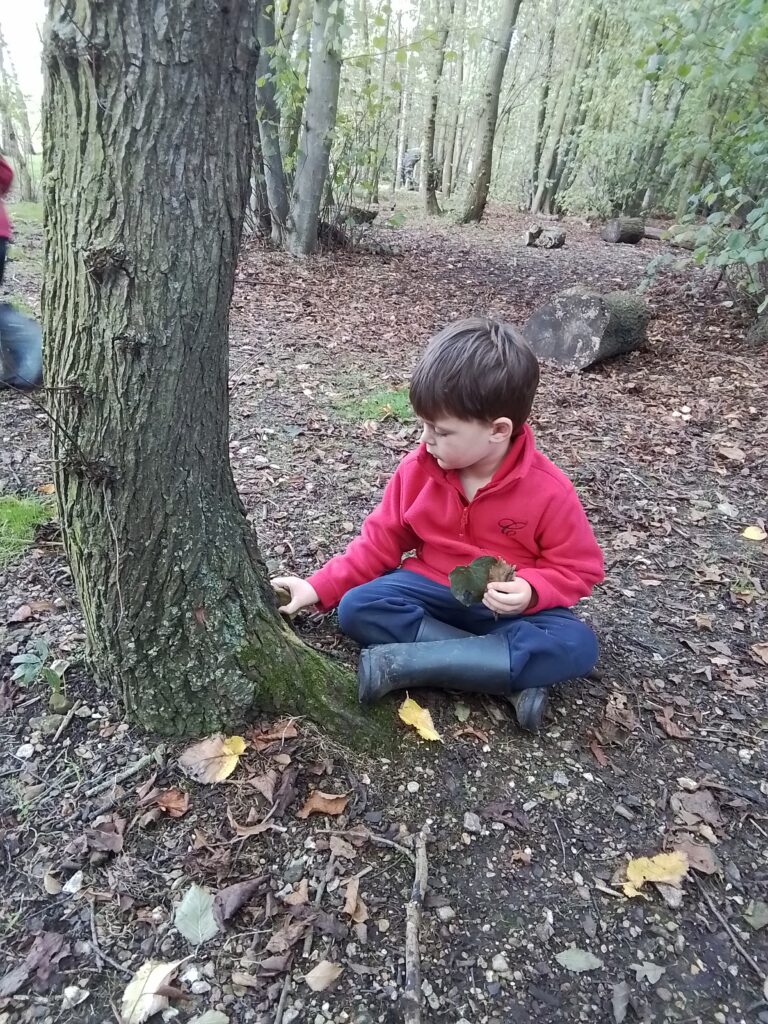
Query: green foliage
<point>18,519</point>
<point>33,665</point>
<point>380,405</point>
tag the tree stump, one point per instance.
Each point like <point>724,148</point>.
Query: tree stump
<point>580,327</point>
<point>532,234</point>
<point>553,239</point>
<point>624,229</point>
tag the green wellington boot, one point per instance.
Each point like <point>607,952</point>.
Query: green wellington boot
<point>466,663</point>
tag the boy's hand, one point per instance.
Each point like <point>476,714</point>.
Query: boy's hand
<point>302,593</point>
<point>511,598</point>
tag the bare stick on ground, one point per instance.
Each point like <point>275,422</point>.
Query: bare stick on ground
<point>411,1002</point>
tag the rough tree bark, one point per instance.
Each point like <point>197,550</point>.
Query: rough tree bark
<point>178,611</point>
<point>319,120</point>
<point>427,184</point>
<point>488,115</point>
<point>268,116</point>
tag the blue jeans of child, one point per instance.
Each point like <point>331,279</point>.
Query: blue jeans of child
<point>545,648</point>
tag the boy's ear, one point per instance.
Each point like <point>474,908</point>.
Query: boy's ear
<point>502,429</point>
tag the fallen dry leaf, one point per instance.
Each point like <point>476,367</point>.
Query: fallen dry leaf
<point>300,896</point>
<point>266,783</point>
<point>229,900</point>
<point>252,830</point>
<point>212,759</point>
<point>106,834</point>
<point>754,533</point>
<point>470,730</point>
<point>701,858</point>
<point>142,995</point>
<point>760,651</point>
<point>732,452</point>
<point>670,727</point>
<point>174,802</point>
<point>279,732</point>
<point>598,753</point>
<point>618,713</point>
<point>22,614</point>
<point>245,980</point>
<point>420,719</point>
<point>669,868</point>
<point>323,803</point>
<point>692,808</point>
<point>42,958</point>
<point>323,975</point>
<point>341,848</point>
<point>287,936</point>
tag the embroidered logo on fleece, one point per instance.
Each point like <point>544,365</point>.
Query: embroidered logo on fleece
<point>509,527</point>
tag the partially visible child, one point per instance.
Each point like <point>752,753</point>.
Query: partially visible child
<point>475,486</point>
<point>6,179</point>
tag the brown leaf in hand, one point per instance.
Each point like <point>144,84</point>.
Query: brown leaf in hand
<point>671,728</point>
<point>501,572</point>
<point>229,900</point>
<point>323,803</point>
<point>174,802</point>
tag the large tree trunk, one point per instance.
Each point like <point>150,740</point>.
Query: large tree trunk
<point>269,126</point>
<point>427,185</point>
<point>319,120</point>
<point>292,118</point>
<point>147,173</point>
<point>488,115</point>
<point>542,101</point>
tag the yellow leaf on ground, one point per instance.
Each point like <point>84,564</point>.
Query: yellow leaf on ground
<point>754,533</point>
<point>670,868</point>
<point>212,759</point>
<point>415,715</point>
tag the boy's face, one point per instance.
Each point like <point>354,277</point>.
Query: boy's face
<point>464,444</point>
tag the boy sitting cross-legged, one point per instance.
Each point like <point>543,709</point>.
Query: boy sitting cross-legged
<point>475,486</point>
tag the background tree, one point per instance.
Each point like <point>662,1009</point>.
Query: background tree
<point>179,615</point>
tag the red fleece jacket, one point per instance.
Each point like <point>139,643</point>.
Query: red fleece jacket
<point>528,514</point>
<point>6,177</point>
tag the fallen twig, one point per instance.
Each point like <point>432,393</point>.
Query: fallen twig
<point>283,1000</point>
<point>67,719</point>
<point>329,872</point>
<point>411,1001</point>
<point>734,937</point>
<point>126,773</point>
<point>371,837</point>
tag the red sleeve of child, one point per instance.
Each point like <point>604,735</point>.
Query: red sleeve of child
<point>570,563</point>
<point>6,176</point>
<point>384,539</point>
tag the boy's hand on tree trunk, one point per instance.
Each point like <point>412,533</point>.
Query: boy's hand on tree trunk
<point>511,598</point>
<point>302,593</point>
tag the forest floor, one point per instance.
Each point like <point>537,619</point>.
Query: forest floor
<point>528,837</point>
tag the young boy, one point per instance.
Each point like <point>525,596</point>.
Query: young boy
<point>6,179</point>
<point>475,486</point>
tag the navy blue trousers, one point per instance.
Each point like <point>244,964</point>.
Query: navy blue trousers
<point>545,648</point>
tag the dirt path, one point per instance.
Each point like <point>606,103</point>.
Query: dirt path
<point>668,450</point>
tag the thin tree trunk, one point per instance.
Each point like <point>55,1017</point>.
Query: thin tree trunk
<point>541,103</point>
<point>269,127</point>
<point>288,26</point>
<point>402,115</point>
<point>291,122</point>
<point>549,160</point>
<point>427,185</point>
<point>488,115</point>
<point>380,112</point>
<point>13,145</point>
<point>179,614</point>
<point>453,124</point>
<point>258,220</point>
<point>319,120</point>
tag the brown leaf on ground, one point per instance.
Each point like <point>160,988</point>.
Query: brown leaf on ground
<point>692,808</point>
<point>701,858</point>
<point>22,614</point>
<point>46,952</point>
<point>265,784</point>
<point>278,732</point>
<point>287,936</point>
<point>670,727</point>
<point>323,975</point>
<point>341,848</point>
<point>618,713</point>
<point>245,980</point>
<point>469,730</point>
<point>251,830</point>
<point>300,896</point>
<point>323,803</point>
<point>760,652</point>
<point>599,754</point>
<point>506,812</point>
<point>228,901</point>
<point>272,965</point>
<point>286,794</point>
<point>354,907</point>
<point>323,922</point>
<point>106,834</point>
<point>174,802</point>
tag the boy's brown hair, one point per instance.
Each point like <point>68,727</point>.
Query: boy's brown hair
<point>476,369</point>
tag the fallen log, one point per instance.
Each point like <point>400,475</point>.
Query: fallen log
<point>673,235</point>
<point>533,233</point>
<point>553,239</point>
<point>580,327</point>
<point>624,229</point>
